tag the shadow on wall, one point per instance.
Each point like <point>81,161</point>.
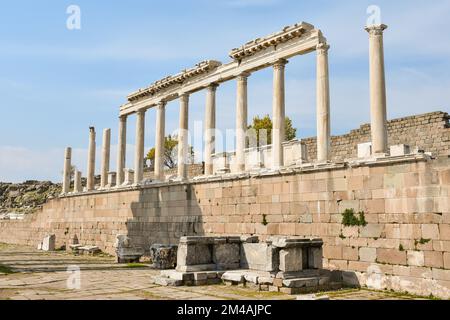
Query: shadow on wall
<point>163,215</point>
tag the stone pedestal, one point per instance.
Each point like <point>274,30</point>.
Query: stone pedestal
<point>112,179</point>
<point>129,177</point>
<point>48,244</point>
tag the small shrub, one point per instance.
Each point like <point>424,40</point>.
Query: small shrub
<point>349,219</point>
<point>401,248</point>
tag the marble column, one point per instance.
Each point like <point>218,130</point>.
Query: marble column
<point>241,121</point>
<point>210,128</point>
<point>159,141</point>
<point>279,116</point>
<point>183,134</point>
<point>121,150</point>
<point>377,89</point>
<point>67,170</point>
<point>106,155</point>
<point>90,185</point>
<point>323,104</point>
<point>77,187</point>
<point>139,149</point>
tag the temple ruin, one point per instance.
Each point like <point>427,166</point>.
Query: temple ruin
<point>290,194</point>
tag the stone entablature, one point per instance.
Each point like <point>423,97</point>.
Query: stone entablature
<point>167,82</point>
<point>260,44</point>
<point>217,73</point>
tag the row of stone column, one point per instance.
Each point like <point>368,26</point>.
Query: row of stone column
<point>378,123</point>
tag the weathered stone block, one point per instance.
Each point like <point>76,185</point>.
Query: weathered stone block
<point>434,259</point>
<point>226,255</point>
<point>259,256</point>
<point>416,258</point>
<point>163,256</point>
<point>48,244</point>
<point>400,150</point>
<point>291,259</point>
<point>391,256</point>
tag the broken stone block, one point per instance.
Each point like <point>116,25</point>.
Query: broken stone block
<point>291,259</point>
<point>259,256</point>
<point>226,256</point>
<point>315,258</point>
<point>400,150</point>
<point>163,256</point>
<point>125,252</point>
<point>365,150</point>
<point>233,276</point>
<point>48,244</point>
<point>89,250</point>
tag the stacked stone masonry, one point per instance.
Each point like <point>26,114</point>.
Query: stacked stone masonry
<point>429,131</point>
<point>405,246</point>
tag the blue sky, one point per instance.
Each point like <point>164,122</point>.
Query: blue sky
<point>54,82</point>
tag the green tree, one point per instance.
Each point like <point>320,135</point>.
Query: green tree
<point>170,153</point>
<point>265,123</point>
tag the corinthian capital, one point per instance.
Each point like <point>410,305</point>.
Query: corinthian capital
<point>280,64</point>
<point>322,48</point>
<point>376,29</point>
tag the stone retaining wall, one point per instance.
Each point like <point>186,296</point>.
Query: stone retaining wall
<point>405,245</point>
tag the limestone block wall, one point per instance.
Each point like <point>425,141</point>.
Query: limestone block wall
<point>405,246</point>
<point>429,131</point>
<point>194,170</point>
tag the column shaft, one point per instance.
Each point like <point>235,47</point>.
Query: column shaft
<point>323,105</point>
<point>160,139</point>
<point>67,170</point>
<point>183,133</point>
<point>106,154</point>
<point>210,128</point>
<point>121,150</point>
<point>279,117</point>
<point>90,185</point>
<point>241,121</point>
<point>139,151</point>
<point>377,89</point>
<point>77,187</point>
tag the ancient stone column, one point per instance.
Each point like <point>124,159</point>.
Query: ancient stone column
<point>241,121</point>
<point>377,89</point>
<point>278,130</point>
<point>139,150</point>
<point>77,187</point>
<point>90,185</point>
<point>67,170</point>
<point>183,133</point>
<point>159,143</point>
<point>210,128</point>
<point>323,104</point>
<point>106,153</point>
<point>121,150</point>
